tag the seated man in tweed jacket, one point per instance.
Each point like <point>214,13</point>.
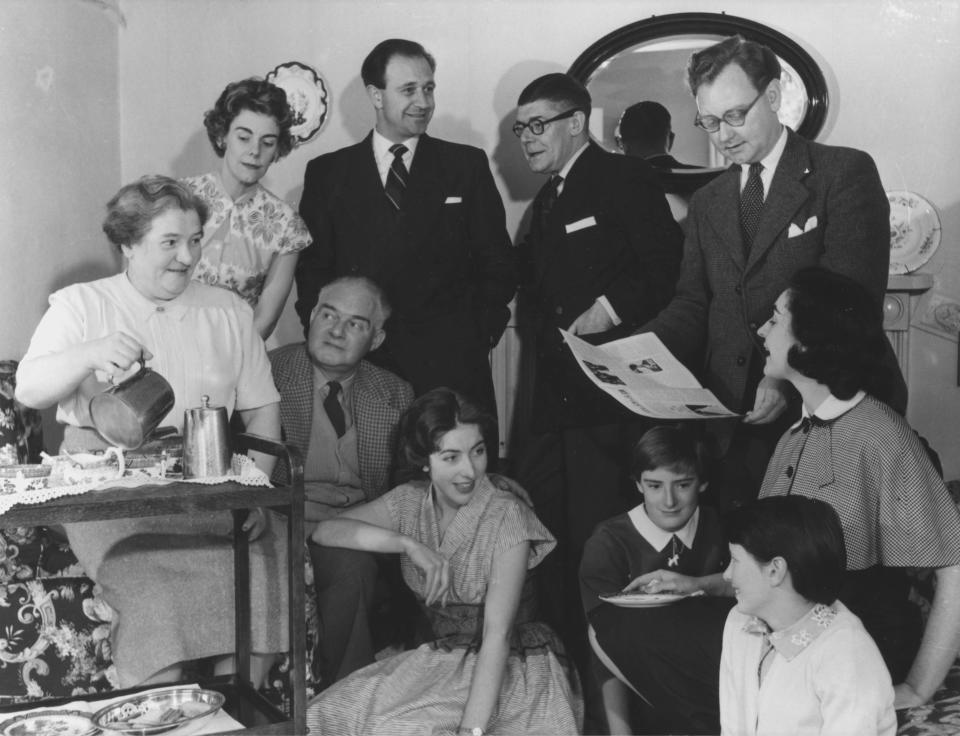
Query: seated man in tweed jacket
<point>341,412</point>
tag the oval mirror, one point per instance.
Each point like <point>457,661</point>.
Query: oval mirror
<point>647,60</point>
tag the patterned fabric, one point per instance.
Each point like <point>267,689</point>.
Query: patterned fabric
<point>396,183</point>
<point>789,642</point>
<point>241,238</point>
<point>21,430</point>
<point>379,398</point>
<point>869,465</point>
<point>423,691</point>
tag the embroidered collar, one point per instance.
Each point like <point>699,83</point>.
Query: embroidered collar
<point>831,408</point>
<point>789,642</point>
<point>658,538</point>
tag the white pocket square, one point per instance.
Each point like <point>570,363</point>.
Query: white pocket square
<point>580,224</point>
<point>453,200</point>
<point>795,230</point>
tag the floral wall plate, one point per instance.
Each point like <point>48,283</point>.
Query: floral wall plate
<point>306,95</point>
<point>914,231</point>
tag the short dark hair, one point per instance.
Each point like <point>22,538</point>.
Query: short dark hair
<point>131,210</point>
<point>646,121</point>
<point>671,446</point>
<point>384,308</point>
<point>805,532</point>
<point>758,62</point>
<point>431,416</point>
<point>839,330</point>
<point>256,95</point>
<point>558,88</point>
<point>374,68</point>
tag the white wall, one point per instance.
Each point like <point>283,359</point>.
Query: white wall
<point>893,68</point>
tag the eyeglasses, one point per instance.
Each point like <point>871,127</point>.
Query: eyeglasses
<point>331,317</point>
<point>735,117</point>
<point>537,125</point>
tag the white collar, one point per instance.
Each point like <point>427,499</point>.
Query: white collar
<point>831,408</point>
<point>770,162</point>
<point>659,538</point>
<point>381,147</point>
<point>571,161</point>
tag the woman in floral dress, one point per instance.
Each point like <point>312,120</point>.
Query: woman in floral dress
<point>467,540</point>
<point>252,238</point>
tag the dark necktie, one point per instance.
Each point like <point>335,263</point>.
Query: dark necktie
<point>751,204</point>
<point>546,199</point>
<point>397,176</point>
<point>331,405</point>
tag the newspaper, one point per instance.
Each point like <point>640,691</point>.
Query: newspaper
<point>640,373</point>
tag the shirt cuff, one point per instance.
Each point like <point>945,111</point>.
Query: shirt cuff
<point>605,303</point>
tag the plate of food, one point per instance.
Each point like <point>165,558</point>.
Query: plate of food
<point>914,231</point>
<point>175,710</point>
<point>49,723</point>
<point>646,600</point>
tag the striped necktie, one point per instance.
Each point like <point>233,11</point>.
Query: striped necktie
<point>751,204</point>
<point>397,176</point>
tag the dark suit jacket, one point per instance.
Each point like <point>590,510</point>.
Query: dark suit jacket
<point>666,161</point>
<point>826,206</point>
<point>445,260</point>
<point>379,398</point>
<point>609,234</point>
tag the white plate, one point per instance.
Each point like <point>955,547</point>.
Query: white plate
<point>49,723</point>
<point>645,600</point>
<point>306,96</point>
<point>914,231</point>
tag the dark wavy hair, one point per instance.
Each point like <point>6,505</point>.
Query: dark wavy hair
<point>758,62</point>
<point>839,330</point>
<point>674,447</point>
<point>132,210</point>
<point>805,532</point>
<point>558,88</point>
<point>256,95</point>
<point>374,68</point>
<point>427,419</point>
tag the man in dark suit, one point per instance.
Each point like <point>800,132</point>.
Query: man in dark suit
<point>602,257</point>
<point>341,412</point>
<point>645,131</point>
<point>420,216</point>
<point>785,204</point>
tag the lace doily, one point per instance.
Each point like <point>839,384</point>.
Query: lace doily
<point>242,470</point>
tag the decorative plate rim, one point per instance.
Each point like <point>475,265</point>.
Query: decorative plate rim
<point>22,718</point>
<point>310,111</point>
<point>929,239</point>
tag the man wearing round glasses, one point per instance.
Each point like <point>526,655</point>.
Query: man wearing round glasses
<point>602,257</point>
<point>789,203</point>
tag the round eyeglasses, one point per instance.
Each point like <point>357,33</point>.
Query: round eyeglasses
<point>536,125</point>
<point>734,118</point>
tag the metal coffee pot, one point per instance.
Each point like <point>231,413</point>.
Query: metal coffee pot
<point>127,412</point>
<point>206,441</point>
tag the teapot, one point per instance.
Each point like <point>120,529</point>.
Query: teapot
<point>206,441</point>
<point>127,412</point>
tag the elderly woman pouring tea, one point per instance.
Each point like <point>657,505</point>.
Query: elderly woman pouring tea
<point>168,578</point>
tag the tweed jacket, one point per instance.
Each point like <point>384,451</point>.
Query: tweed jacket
<point>610,233</point>
<point>826,206</point>
<point>379,398</point>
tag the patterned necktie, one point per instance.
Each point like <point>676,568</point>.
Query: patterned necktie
<point>751,204</point>
<point>397,176</point>
<point>331,405</point>
<point>546,200</point>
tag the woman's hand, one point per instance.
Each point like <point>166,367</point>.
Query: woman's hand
<point>663,581</point>
<point>436,569</point>
<point>114,353</point>
<point>255,524</point>
<point>905,696</point>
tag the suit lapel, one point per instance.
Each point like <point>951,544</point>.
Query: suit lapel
<point>300,402</point>
<point>367,201</point>
<point>787,195</point>
<point>724,219</point>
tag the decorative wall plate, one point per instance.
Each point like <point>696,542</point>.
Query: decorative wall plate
<point>914,231</point>
<point>306,95</point>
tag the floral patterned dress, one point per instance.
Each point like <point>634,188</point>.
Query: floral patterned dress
<point>424,690</point>
<point>241,238</point>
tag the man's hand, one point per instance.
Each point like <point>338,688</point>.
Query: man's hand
<point>770,403</point>
<point>596,319</point>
